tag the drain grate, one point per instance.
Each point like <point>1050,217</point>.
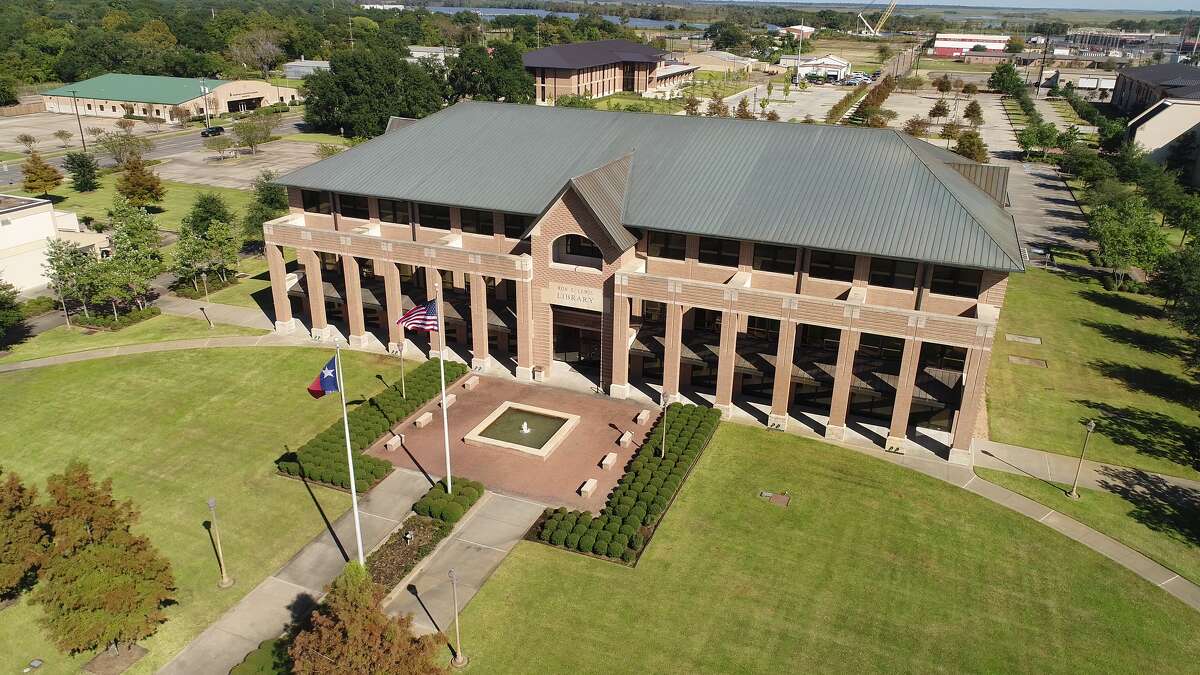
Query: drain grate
<point>1025,339</point>
<point>1026,361</point>
<point>777,499</point>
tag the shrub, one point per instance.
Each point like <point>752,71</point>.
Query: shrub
<point>628,555</point>
<point>546,531</point>
<point>637,541</point>
<point>586,542</point>
<point>452,512</point>
<point>616,550</point>
<point>600,547</point>
<point>572,541</point>
<point>558,537</point>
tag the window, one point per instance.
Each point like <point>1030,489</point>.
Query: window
<point>819,338</point>
<point>944,357</point>
<point>434,216</point>
<point>666,245</point>
<point>476,222</point>
<point>353,206</point>
<point>516,226</point>
<point>89,106</point>
<point>392,211</point>
<point>724,252</point>
<point>315,201</point>
<point>762,327</point>
<point>781,259</point>
<point>956,281</point>
<point>835,266</point>
<point>572,249</point>
<point>893,273</point>
<point>883,347</point>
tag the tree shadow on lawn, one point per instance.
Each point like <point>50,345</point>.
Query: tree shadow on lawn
<point>1151,381</point>
<point>1158,504</point>
<point>1153,434</point>
<point>1124,304</point>
<point>1152,343</point>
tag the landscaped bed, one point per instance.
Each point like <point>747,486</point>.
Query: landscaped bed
<point>651,481</point>
<point>434,517</point>
<point>323,459</point>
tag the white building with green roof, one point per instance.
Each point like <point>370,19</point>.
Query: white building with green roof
<point>119,94</point>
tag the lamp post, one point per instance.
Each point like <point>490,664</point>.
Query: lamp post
<point>204,308</point>
<point>1090,426</point>
<point>460,659</point>
<point>226,581</point>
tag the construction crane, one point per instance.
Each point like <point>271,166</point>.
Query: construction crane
<point>887,14</point>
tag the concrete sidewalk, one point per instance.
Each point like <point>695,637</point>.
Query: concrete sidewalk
<point>293,591</point>
<point>474,550</point>
<point>1059,468</point>
<point>249,317</point>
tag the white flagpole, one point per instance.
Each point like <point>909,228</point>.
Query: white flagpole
<point>437,287</point>
<point>349,454</point>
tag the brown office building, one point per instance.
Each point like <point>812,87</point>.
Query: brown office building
<point>664,256</point>
<point>602,68</point>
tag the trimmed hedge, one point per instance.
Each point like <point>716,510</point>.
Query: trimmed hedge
<point>449,509</point>
<point>323,459</point>
<point>844,104</point>
<point>637,504</point>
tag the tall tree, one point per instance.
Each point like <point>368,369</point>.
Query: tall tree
<point>363,87</point>
<point>23,540</point>
<point>68,269</point>
<point>83,169</point>
<point>39,176</point>
<point>101,585</point>
<point>10,312</point>
<point>258,49</point>
<point>122,145</point>
<point>136,257</point>
<point>1127,236</point>
<point>1177,279</point>
<point>270,201</point>
<point>351,635</point>
<point>208,208</point>
<point>139,184</point>
<point>254,130</point>
<point>970,145</point>
<point>1006,80</point>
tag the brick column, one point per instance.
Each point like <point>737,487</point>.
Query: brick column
<point>843,374</point>
<point>524,331</point>
<point>284,323</point>
<point>673,342</point>
<point>618,386</point>
<point>726,356</point>
<point>395,305</point>
<point>781,394</point>
<point>315,286</point>
<point>354,307</point>
<point>974,384</point>
<point>905,386</point>
<point>479,326</point>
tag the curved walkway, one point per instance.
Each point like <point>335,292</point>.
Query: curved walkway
<point>958,475</point>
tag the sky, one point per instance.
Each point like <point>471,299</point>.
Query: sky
<point>1142,5</point>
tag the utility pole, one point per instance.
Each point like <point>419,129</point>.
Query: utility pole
<point>1042,69</point>
<point>82,137</point>
<point>350,20</point>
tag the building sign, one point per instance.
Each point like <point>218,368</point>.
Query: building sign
<point>570,295</point>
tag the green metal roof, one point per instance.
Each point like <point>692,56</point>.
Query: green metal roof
<point>867,191</point>
<point>137,88</point>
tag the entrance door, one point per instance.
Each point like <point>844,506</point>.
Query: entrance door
<point>577,338</point>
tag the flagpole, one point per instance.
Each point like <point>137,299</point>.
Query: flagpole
<point>337,359</point>
<point>437,289</point>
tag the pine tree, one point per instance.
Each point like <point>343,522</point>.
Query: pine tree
<point>691,106</point>
<point>208,208</point>
<point>101,585</point>
<point>139,184</point>
<point>83,169</point>
<point>350,635</point>
<point>971,145</point>
<point>22,538</point>
<point>40,177</point>
<point>743,110</point>
<point>716,106</point>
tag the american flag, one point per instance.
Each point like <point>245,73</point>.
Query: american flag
<point>422,317</point>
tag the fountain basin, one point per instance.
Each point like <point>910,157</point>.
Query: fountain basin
<point>503,429</point>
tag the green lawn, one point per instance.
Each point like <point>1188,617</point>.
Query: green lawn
<point>6,156</point>
<point>1146,514</point>
<point>656,105</point>
<point>316,138</point>
<point>178,199</point>
<point>172,430</point>
<point>1111,357</point>
<point>64,340</point>
<point>257,286</point>
<point>872,568</point>
<point>292,82</point>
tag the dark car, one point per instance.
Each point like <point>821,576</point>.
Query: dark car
<point>212,131</point>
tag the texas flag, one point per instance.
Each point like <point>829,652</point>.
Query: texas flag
<point>326,381</point>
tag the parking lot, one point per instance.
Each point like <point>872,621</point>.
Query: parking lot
<point>43,125</point>
<point>815,101</point>
<point>202,166</point>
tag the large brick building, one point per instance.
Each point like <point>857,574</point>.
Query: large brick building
<point>667,254</point>
<point>1139,88</point>
<point>603,67</point>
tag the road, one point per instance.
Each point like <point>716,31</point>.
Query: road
<point>10,172</point>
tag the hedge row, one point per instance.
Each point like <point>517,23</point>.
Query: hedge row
<point>872,104</point>
<point>98,319</point>
<point>449,508</point>
<point>835,113</point>
<point>636,505</point>
<point>323,459</point>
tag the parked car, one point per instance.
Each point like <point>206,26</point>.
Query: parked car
<point>876,73</point>
<point>212,131</point>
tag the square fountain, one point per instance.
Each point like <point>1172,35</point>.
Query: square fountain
<point>524,428</point>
